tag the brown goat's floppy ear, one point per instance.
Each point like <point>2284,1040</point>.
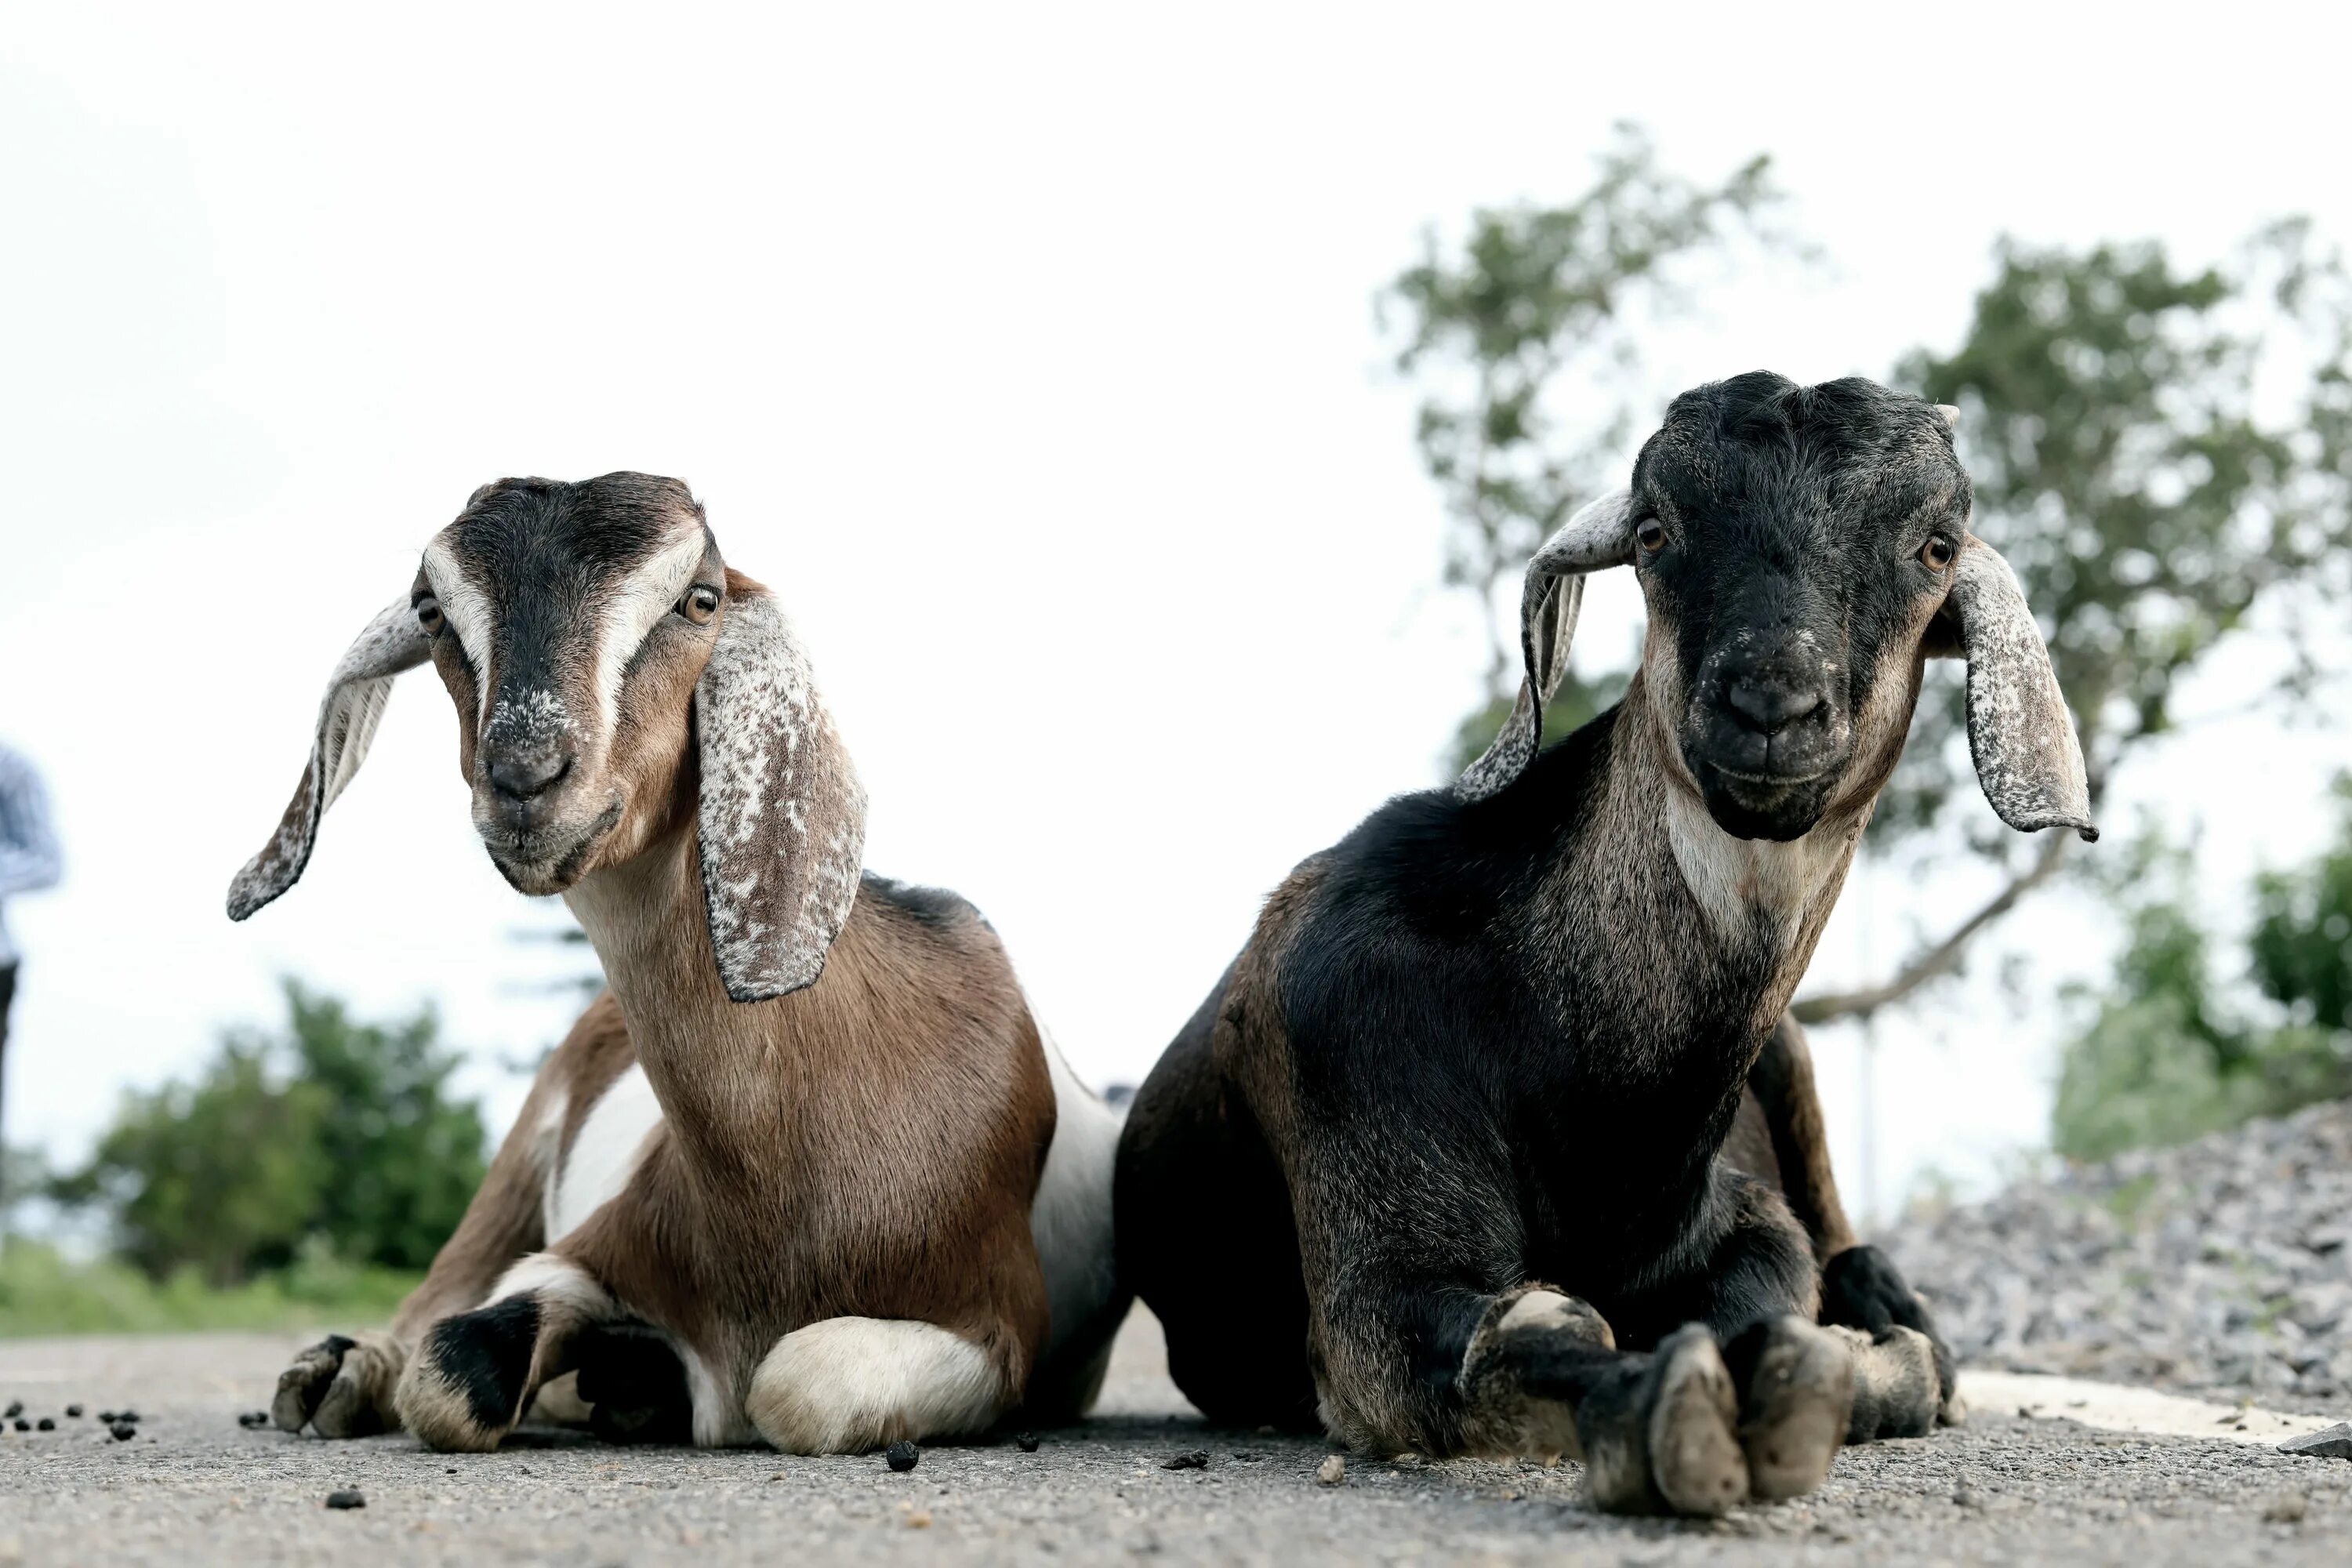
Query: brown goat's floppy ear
<point>783,819</point>
<point>356,694</point>
<point>2028,759</point>
<point>1601,534</point>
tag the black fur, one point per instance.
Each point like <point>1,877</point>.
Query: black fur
<point>935,907</point>
<point>485,1355</point>
<point>1510,1050</point>
<point>633,1377</point>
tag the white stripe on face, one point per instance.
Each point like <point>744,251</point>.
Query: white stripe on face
<point>467,609</point>
<point>632,611</point>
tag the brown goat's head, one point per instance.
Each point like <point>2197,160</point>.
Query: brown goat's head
<point>611,676</point>
<point>1802,549</point>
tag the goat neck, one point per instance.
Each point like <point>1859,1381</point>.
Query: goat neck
<point>716,1065</point>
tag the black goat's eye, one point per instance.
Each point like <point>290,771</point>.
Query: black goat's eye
<point>1936,554</point>
<point>701,603</point>
<point>429,616</point>
<point>1651,534</point>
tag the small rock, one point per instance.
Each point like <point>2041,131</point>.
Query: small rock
<point>1966,1496</point>
<point>123,1431</point>
<point>1190,1459</point>
<point>348,1498</point>
<point>46,1424</point>
<point>919,1522</point>
<point>2287,1508</point>
<point>74,1411</point>
<point>1028,1441</point>
<point>1333,1470</point>
<point>2334,1442</point>
<point>902,1456</point>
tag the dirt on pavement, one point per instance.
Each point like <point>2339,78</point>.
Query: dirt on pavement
<point>193,1487</point>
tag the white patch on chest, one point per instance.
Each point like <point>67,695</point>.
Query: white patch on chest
<point>1742,883</point>
<point>604,1155</point>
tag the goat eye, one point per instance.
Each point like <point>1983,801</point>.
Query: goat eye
<point>701,603</point>
<point>1651,534</point>
<point>428,614</point>
<point>1936,554</point>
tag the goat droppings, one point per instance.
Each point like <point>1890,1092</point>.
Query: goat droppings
<point>902,1456</point>
<point>1028,1441</point>
<point>348,1498</point>
<point>123,1431</point>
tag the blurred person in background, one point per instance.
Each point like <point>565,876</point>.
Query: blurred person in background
<point>28,861</point>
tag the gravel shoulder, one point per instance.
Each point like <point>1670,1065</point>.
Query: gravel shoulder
<point>195,1487</point>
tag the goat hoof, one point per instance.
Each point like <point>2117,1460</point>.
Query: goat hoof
<point>1896,1381</point>
<point>1796,1399</point>
<point>1696,1459</point>
<point>340,1387</point>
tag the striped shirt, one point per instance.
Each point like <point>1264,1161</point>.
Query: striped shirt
<point>28,846</point>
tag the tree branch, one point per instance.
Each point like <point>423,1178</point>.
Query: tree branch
<point>1944,957</point>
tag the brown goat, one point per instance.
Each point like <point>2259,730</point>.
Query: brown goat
<point>791,1177</point>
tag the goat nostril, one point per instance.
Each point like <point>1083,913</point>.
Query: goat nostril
<point>522,779</point>
<point>1770,708</point>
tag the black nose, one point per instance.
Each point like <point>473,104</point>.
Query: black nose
<point>1768,707</point>
<point>527,777</point>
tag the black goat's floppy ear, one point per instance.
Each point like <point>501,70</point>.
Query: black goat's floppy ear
<point>783,817</point>
<point>1599,535</point>
<point>348,716</point>
<point>2029,762</point>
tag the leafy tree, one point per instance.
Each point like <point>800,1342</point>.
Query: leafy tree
<point>402,1157</point>
<point>2113,421</point>
<point>2166,1056</point>
<point>2302,946</point>
<point>1537,298</point>
<point>336,1130</point>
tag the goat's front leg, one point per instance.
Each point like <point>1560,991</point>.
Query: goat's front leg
<point>344,1386</point>
<point>473,1375</point>
<point>1861,1287</point>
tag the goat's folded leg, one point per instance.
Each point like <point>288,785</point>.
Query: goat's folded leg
<point>1907,1379</point>
<point>845,1385</point>
<point>473,1375</point>
<point>1694,1426</point>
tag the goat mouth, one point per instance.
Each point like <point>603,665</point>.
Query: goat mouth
<point>548,859</point>
<point>1770,780</point>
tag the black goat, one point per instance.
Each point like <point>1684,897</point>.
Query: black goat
<point>1439,1161</point>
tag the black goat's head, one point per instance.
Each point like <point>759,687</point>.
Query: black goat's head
<point>1802,549</point>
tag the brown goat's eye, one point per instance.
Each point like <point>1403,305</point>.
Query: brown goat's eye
<point>701,603</point>
<point>429,616</point>
<point>1936,554</point>
<point>1651,534</point>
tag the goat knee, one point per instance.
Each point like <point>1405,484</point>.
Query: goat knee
<point>843,1386</point>
<point>474,1374</point>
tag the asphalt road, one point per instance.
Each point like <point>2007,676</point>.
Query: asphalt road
<point>195,1487</point>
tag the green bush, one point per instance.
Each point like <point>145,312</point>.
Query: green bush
<point>336,1135</point>
<point>2166,1056</point>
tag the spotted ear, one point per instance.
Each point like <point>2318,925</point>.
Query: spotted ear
<point>348,716</point>
<point>783,816</point>
<point>1601,534</point>
<point>2029,762</point>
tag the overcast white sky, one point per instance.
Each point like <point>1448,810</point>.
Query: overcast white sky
<point>1027,353</point>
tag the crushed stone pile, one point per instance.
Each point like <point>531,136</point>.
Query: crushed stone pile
<point>2221,1267</point>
